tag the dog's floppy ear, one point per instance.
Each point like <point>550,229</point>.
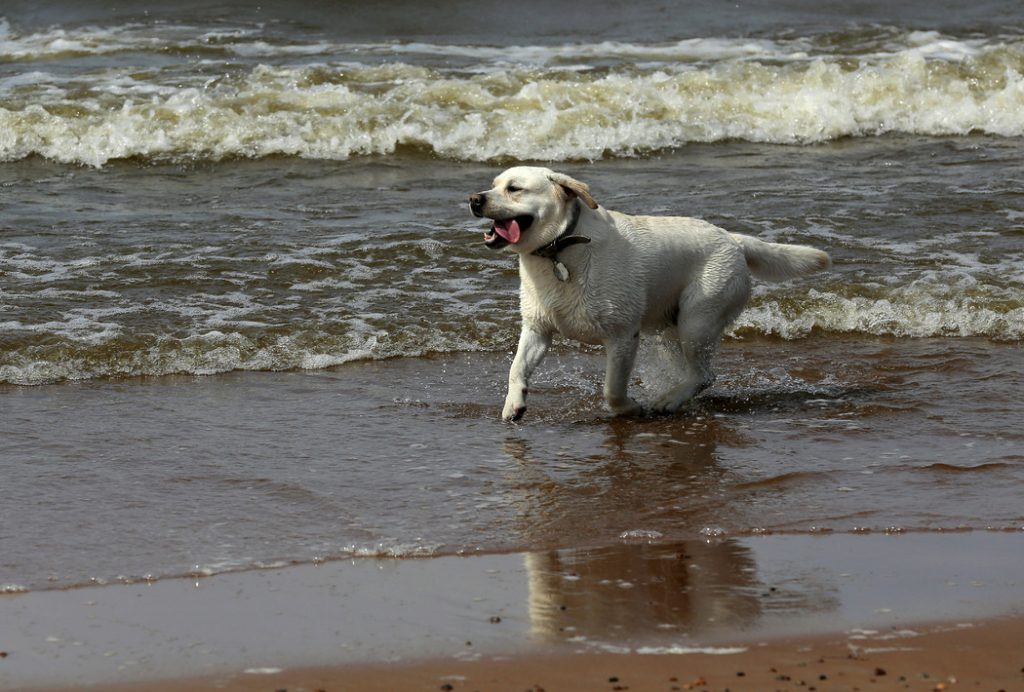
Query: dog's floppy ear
<point>574,188</point>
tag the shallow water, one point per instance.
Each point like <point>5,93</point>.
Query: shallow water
<point>407,457</point>
<point>280,264</point>
<point>246,317</point>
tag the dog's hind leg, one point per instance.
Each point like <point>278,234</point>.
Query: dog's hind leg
<point>703,317</point>
<point>698,352</point>
<point>621,356</point>
<point>533,345</point>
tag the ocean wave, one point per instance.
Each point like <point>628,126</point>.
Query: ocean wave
<point>567,104</point>
<point>919,309</point>
<point>79,350</point>
<point>112,353</point>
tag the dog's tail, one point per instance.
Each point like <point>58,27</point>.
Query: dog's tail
<point>778,262</point>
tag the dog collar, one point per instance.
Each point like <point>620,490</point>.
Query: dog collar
<point>564,240</point>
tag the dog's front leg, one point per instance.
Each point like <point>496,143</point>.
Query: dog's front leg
<point>621,356</point>
<point>533,344</point>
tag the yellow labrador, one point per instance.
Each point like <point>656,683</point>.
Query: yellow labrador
<point>603,277</point>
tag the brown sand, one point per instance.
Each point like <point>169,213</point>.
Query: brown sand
<point>987,656</point>
<point>848,608</point>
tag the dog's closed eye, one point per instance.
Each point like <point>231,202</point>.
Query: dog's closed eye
<point>511,189</point>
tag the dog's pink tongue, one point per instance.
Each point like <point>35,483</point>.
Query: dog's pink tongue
<point>509,230</point>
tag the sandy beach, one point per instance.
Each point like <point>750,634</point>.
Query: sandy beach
<point>975,656</point>
<point>771,612</point>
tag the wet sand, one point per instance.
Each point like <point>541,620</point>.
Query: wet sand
<point>942,604</point>
<point>978,656</point>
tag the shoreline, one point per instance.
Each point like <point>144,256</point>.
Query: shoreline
<point>204,573</point>
<point>496,620</point>
<point>978,655</point>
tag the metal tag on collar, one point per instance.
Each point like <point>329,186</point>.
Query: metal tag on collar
<point>561,273</point>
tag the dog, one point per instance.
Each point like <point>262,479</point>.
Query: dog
<point>603,277</point>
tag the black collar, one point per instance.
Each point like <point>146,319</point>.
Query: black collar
<point>564,239</point>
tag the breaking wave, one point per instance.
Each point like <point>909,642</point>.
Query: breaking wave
<point>919,309</point>
<point>236,93</point>
<point>68,352</point>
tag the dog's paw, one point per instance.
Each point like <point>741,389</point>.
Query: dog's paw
<point>667,405</point>
<point>514,409</point>
<point>675,399</point>
<point>512,415</point>
<point>627,407</point>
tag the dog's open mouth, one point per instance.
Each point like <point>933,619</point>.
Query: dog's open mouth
<point>505,231</point>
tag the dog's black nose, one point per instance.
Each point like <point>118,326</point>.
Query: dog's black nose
<point>476,203</point>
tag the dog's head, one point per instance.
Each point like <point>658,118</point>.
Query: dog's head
<point>530,207</point>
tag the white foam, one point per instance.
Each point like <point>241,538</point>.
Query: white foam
<point>679,650</point>
<point>392,550</point>
<point>228,332</point>
<point>920,308</point>
<point>759,91</point>
<point>641,534</point>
